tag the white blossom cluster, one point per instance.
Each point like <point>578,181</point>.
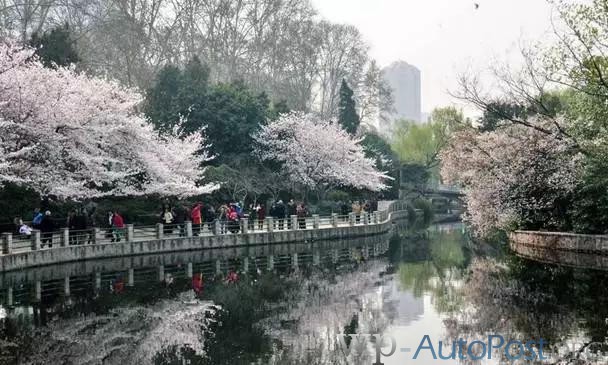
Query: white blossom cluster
<point>317,153</point>
<point>509,173</point>
<point>75,136</point>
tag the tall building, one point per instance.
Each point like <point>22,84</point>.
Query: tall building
<point>404,79</point>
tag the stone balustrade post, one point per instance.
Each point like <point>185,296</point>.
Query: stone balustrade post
<point>269,224</point>
<point>159,231</point>
<point>294,261</point>
<point>9,296</point>
<point>365,217</point>
<point>244,225</point>
<point>246,265</point>
<point>130,233</point>
<point>189,270</point>
<point>66,286</point>
<point>65,237</point>
<point>376,220</point>
<point>188,229</point>
<point>316,221</point>
<point>217,228</point>
<point>334,219</point>
<point>316,258</point>
<point>35,239</point>
<point>161,273</point>
<point>131,277</point>
<point>294,222</point>
<point>351,219</point>
<point>7,243</point>
<point>38,290</point>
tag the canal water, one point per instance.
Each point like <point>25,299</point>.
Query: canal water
<point>288,304</point>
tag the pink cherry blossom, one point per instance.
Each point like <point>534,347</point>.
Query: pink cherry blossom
<point>509,171</point>
<point>75,136</point>
<point>317,153</point>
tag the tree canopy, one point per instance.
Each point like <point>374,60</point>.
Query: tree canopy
<point>74,136</point>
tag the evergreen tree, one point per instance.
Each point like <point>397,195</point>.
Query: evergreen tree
<point>161,105</point>
<point>55,48</point>
<point>348,117</point>
<point>193,95</point>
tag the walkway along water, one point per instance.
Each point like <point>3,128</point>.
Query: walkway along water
<point>18,254</point>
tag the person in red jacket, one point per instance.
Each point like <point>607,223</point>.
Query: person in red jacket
<point>197,283</point>
<point>197,218</point>
<point>118,225</point>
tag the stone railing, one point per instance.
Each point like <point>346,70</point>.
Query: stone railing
<point>70,246</point>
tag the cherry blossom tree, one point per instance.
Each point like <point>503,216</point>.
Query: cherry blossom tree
<point>317,153</point>
<point>513,176</point>
<point>74,136</point>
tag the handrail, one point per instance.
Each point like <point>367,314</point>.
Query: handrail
<point>129,233</point>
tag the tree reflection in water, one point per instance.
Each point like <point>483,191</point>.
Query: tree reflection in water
<point>294,315</point>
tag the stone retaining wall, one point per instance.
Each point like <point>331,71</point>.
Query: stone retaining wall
<point>560,241</point>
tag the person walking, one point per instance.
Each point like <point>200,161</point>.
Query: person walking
<point>301,212</point>
<point>252,216</point>
<point>291,210</point>
<point>196,217</point>
<point>357,211</point>
<point>180,220</point>
<point>71,225</point>
<point>118,225</point>
<point>166,218</point>
<point>47,226</point>
<point>344,210</point>
<point>209,216</point>
<point>261,216</point>
<point>24,229</point>
<point>280,212</point>
<point>80,225</point>
<point>273,213</point>
<point>222,216</point>
<point>37,218</point>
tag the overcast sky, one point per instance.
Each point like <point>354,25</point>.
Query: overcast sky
<point>442,37</point>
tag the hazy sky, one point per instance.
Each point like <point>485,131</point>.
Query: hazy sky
<point>442,37</point>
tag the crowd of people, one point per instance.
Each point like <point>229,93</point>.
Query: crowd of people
<point>203,217</point>
<point>229,215</point>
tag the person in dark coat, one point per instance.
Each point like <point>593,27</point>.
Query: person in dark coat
<point>80,225</point>
<point>280,213</point>
<point>179,219</point>
<point>302,212</point>
<point>261,216</point>
<point>273,213</point>
<point>47,226</point>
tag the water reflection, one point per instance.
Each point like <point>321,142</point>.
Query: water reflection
<point>287,305</point>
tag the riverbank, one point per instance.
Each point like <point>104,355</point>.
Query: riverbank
<point>322,229</point>
<point>571,249</point>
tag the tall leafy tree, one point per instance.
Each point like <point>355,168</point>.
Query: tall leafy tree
<point>347,109</point>
<point>55,47</point>
<point>234,112</point>
<point>227,113</point>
